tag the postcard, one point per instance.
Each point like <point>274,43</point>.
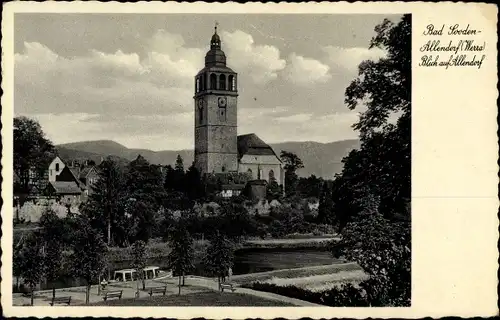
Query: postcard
<point>244,160</point>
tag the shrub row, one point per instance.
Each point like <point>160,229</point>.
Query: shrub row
<point>345,296</point>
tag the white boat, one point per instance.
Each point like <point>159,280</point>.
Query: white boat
<point>150,272</point>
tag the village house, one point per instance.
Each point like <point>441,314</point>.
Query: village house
<point>70,182</point>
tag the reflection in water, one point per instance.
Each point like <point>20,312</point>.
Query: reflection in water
<point>245,261</point>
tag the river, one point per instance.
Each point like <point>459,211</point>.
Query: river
<point>245,261</point>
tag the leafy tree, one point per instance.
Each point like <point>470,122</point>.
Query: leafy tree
<point>382,249</point>
<point>32,151</point>
<point>372,193</point>
<point>88,259</point>
<point>180,258</point>
<point>175,176</point>
<point>30,262</point>
<point>292,164</point>
<point>219,257</point>
<point>139,262</point>
<point>141,220</point>
<point>145,182</point>
<point>103,205</point>
<point>383,163</point>
<point>326,206</point>
<point>310,187</point>
<point>194,188</point>
<point>235,221</point>
<point>179,164</point>
<point>274,190</point>
<point>52,229</point>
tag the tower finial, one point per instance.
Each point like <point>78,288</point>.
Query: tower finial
<point>216,25</point>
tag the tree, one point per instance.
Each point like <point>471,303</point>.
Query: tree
<point>292,164</point>
<point>32,151</point>
<point>382,249</point>
<point>145,182</point>
<point>180,258</point>
<point>52,235</point>
<point>193,184</point>
<point>219,257</point>
<point>88,259</point>
<point>383,162</point>
<point>310,187</point>
<point>139,262</point>
<point>103,204</point>
<point>326,206</point>
<point>372,194</point>
<point>141,221</point>
<point>274,190</point>
<point>30,262</point>
<point>144,197</point>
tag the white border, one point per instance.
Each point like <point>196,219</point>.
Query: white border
<point>454,170</point>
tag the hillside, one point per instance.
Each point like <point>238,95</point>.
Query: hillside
<point>320,159</point>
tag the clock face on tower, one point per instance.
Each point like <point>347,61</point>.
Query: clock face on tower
<point>222,101</point>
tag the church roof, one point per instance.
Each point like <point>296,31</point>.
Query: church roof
<point>252,145</point>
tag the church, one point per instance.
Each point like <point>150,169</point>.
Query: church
<point>218,148</point>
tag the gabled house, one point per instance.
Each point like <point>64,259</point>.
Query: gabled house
<point>89,176</point>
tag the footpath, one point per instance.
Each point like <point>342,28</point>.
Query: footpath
<point>193,284</point>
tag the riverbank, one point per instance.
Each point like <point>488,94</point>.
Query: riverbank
<point>198,291</point>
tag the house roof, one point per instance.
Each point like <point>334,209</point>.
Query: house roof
<point>65,187</point>
<point>85,171</point>
<point>75,171</point>
<point>253,145</point>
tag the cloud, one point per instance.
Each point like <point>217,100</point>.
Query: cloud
<point>304,71</point>
<point>350,58</point>
<point>296,118</point>
<point>303,127</point>
<point>259,62</point>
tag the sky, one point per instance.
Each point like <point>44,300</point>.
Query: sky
<point>130,77</point>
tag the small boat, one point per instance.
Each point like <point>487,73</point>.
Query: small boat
<point>150,272</point>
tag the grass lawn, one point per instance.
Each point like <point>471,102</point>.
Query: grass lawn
<point>209,298</point>
<point>298,272</point>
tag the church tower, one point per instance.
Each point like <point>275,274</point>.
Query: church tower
<point>215,108</point>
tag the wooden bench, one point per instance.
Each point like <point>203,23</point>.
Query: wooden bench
<point>112,294</point>
<point>162,290</point>
<point>61,300</point>
<point>227,286</point>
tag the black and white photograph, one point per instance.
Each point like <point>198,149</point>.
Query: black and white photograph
<point>248,155</point>
<point>212,160</point>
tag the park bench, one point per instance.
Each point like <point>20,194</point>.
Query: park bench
<point>162,290</point>
<point>61,300</point>
<point>227,286</point>
<point>112,294</point>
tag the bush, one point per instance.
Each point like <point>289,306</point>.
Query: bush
<point>345,296</point>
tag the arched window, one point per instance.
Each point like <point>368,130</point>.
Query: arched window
<point>222,82</point>
<point>57,167</point>
<point>271,175</point>
<point>249,172</point>
<point>197,85</point>
<point>223,169</point>
<point>203,82</point>
<point>213,81</point>
<point>232,82</point>
<point>200,114</point>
